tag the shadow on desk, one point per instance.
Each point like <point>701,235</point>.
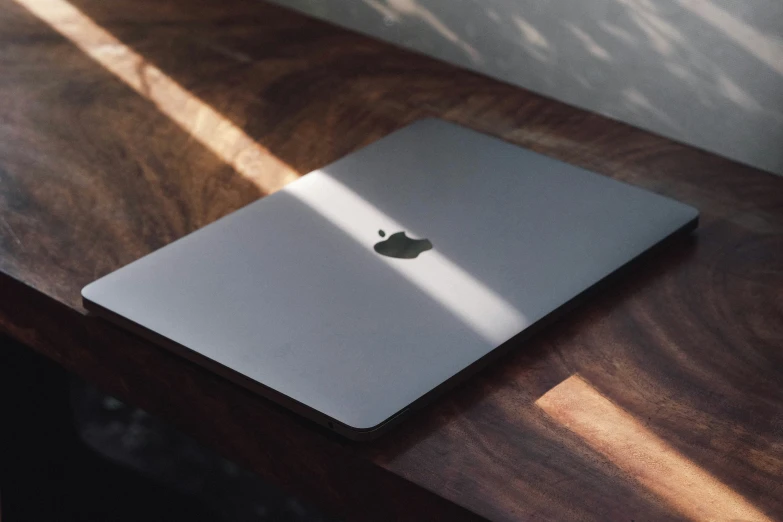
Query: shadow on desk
<point>68,452</point>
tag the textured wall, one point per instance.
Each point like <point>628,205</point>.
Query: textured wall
<point>707,72</point>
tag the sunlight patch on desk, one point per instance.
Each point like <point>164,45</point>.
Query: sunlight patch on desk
<point>644,456</point>
<point>483,310</point>
<point>225,139</point>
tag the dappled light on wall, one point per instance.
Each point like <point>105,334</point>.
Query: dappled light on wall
<point>695,64</point>
<point>765,48</point>
<point>396,10</point>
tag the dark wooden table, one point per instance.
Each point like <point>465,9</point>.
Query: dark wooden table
<point>125,125</point>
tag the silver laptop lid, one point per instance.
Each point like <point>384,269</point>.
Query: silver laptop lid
<point>301,291</point>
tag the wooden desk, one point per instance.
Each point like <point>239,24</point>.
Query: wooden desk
<point>660,399</point>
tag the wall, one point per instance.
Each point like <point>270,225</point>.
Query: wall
<point>707,72</point>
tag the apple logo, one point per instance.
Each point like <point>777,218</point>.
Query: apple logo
<point>401,246</point>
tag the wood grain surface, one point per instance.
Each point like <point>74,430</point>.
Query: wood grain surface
<point>116,144</point>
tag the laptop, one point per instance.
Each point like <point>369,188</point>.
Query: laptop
<point>364,289</point>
